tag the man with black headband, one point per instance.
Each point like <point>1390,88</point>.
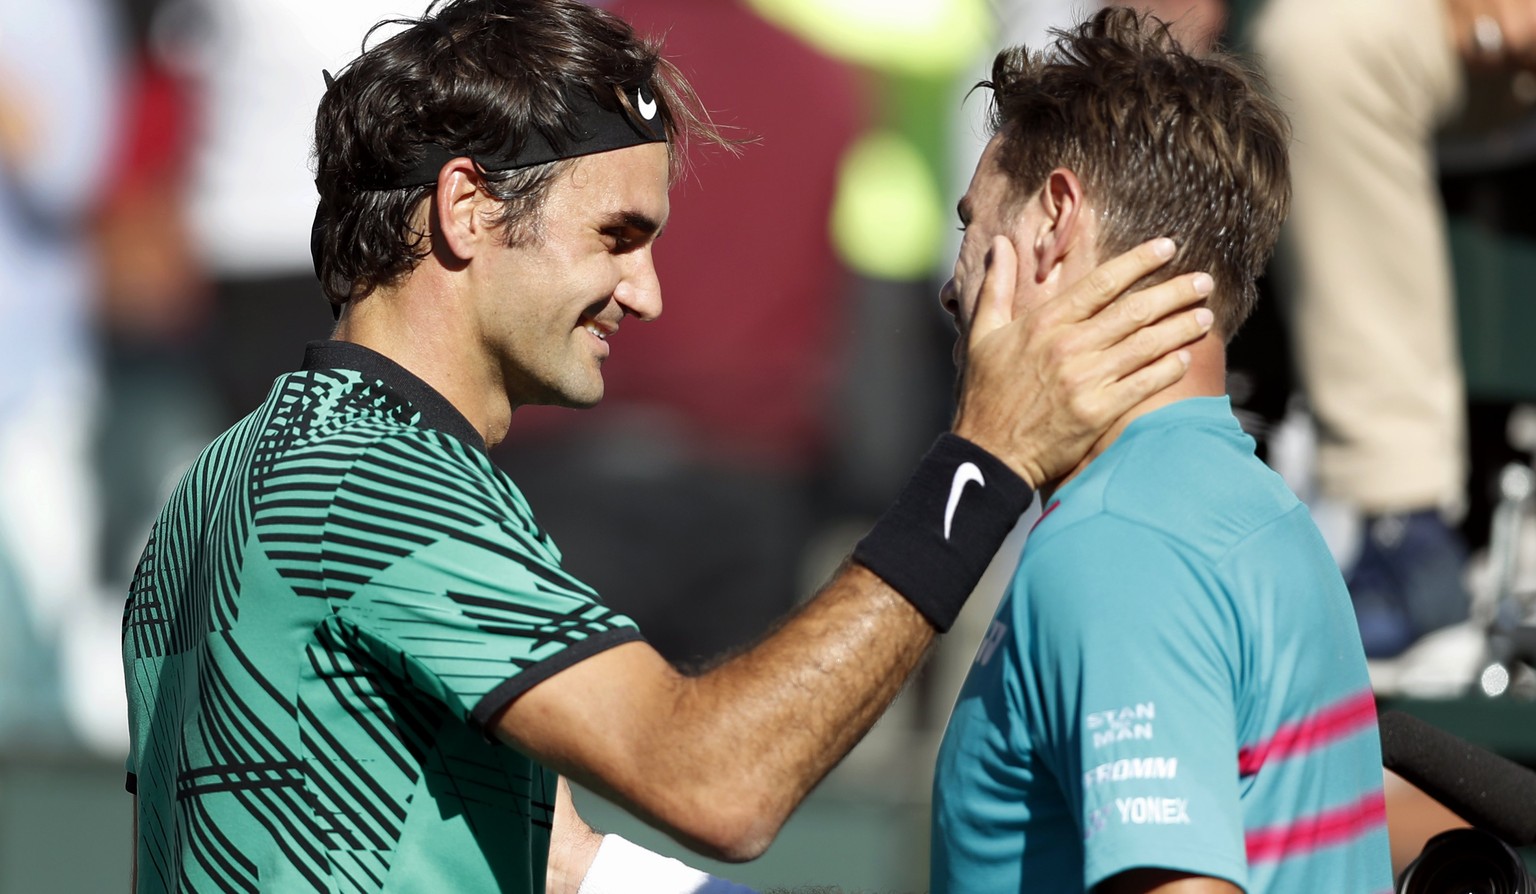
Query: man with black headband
<point>354,661</point>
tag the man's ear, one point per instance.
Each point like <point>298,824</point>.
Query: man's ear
<point>457,225</point>
<point>1060,227</point>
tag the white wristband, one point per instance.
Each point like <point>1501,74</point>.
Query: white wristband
<point>622,867</point>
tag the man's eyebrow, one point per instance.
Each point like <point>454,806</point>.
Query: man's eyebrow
<point>635,220</point>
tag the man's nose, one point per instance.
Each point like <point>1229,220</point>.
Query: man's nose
<point>639,292</point>
<point>949,299</point>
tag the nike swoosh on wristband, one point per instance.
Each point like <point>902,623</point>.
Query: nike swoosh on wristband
<point>964,475</point>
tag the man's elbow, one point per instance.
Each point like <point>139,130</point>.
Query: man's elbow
<point>732,828</point>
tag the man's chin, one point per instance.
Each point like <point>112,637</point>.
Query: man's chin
<point>571,398</point>
<point>576,402</point>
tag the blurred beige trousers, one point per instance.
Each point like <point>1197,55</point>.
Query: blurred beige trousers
<point>1365,263</point>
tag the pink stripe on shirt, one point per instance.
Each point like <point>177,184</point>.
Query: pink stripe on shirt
<point>1048,510</point>
<point>1311,833</point>
<point>1330,724</point>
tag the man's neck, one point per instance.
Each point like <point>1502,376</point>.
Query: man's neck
<point>1206,377</point>
<point>414,326</point>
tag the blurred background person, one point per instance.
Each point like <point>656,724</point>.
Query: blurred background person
<point>1368,280</point>
<point>153,303</point>
<point>201,232</point>
<point>58,105</point>
<point>1368,277</point>
<point>256,73</point>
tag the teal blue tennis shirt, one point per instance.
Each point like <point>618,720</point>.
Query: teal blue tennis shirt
<point>1174,679</point>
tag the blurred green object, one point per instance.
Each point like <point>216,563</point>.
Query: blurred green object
<point>1505,726</point>
<point>1240,15</point>
<point>1493,250</point>
<point>891,209</point>
<point>886,220</point>
<point>925,37</point>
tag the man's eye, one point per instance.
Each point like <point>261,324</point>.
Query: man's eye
<point>620,240</point>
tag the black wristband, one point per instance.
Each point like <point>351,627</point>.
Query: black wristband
<point>935,542</point>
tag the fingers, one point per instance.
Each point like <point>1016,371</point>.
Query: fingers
<point>1146,357</point>
<point>1139,309</point>
<point>994,304</point>
<point>1460,14</point>
<point>1144,382</point>
<point>1517,21</point>
<point>1494,24</point>
<point>1147,346</point>
<point>1039,389</point>
<point>1492,33</point>
<point>1105,282</point>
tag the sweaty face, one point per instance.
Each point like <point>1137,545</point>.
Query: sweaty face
<point>550,305</point>
<point>984,213</point>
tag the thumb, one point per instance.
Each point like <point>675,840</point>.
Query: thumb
<point>994,303</point>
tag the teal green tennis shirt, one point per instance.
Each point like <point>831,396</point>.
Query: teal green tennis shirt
<point>332,611</point>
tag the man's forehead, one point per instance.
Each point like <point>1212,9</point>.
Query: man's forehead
<point>988,182</point>
<point>631,182</point>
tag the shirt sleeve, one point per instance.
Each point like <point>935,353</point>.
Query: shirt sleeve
<point>1133,643</point>
<point>471,606</point>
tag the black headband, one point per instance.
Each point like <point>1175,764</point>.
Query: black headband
<point>597,128</point>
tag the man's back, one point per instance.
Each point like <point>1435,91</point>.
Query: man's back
<point>338,600</point>
<point>1174,680</point>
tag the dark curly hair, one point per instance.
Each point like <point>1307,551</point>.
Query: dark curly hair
<point>1166,143</point>
<point>473,76</point>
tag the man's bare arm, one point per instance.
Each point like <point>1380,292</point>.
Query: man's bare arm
<point>584,861</point>
<point>572,845</point>
<point>721,759</point>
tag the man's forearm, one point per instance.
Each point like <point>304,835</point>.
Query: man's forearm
<point>572,845</point>
<point>818,684</point>
<point>721,759</point>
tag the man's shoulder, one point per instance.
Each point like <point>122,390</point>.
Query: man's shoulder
<point>342,437</point>
<point>352,419</point>
<point>1183,509</point>
<point>1192,476</point>
<point>412,474</point>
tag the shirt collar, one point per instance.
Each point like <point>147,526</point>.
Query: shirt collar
<point>436,412</point>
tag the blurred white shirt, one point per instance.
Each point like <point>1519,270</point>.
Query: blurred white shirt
<point>259,62</point>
